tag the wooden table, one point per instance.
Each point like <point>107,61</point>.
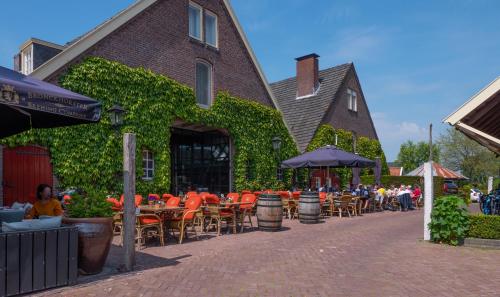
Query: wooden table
<point>157,210</point>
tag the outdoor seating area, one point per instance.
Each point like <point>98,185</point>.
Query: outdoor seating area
<point>159,217</point>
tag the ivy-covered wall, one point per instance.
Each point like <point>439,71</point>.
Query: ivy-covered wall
<point>90,156</point>
<point>366,147</point>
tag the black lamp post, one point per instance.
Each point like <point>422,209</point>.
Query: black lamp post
<point>116,113</point>
<point>277,147</point>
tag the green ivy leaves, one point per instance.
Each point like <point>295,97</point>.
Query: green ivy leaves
<point>90,156</point>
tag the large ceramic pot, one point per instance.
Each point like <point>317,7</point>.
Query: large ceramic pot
<point>94,240</point>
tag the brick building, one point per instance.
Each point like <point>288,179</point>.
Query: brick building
<point>201,44</point>
<point>315,97</point>
<point>198,43</point>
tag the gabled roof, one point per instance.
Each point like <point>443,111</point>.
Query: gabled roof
<point>305,114</point>
<point>82,43</point>
<point>437,170</point>
<point>478,118</point>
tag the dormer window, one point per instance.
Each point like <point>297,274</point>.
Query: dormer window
<point>352,100</point>
<point>27,60</point>
<point>195,24</point>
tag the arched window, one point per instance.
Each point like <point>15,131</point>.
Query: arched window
<point>203,83</point>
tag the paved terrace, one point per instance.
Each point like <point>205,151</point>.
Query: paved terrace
<point>379,254</point>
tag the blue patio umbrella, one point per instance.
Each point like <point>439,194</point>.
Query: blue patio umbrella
<point>328,156</point>
<point>26,102</point>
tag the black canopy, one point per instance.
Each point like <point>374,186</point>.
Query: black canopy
<point>328,156</point>
<point>26,102</point>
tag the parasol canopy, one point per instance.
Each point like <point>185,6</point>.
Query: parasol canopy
<point>26,102</point>
<point>328,156</point>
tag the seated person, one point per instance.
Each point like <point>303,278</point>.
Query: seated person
<point>45,205</point>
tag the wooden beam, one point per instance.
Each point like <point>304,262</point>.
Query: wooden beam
<point>129,193</point>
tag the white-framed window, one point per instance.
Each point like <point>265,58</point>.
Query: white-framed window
<point>203,89</point>
<point>195,21</point>
<point>352,100</point>
<point>148,165</point>
<point>27,60</point>
<point>211,32</point>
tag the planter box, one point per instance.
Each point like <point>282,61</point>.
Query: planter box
<point>483,243</point>
<point>37,260</point>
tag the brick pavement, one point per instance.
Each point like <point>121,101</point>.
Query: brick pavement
<point>379,254</point>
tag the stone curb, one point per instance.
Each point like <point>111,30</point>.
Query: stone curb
<point>482,243</point>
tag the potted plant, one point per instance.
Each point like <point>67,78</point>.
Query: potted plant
<point>93,216</point>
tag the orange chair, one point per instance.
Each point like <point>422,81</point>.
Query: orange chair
<point>115,204</point>
<point>149,225</point>
<point>243,192</point>
<point>296,195</point>
<point>66,199</point>
<point>137,199</point>
<point>212,199</point>
<point>165,197</point>
<point>173,202</point>
<point>284,194</point>
<point>246,209</point>
<point>192,193</point>
<point>257,193</point>
<point>192,207</point>
<point>155,196</point>
<point>235,197</point>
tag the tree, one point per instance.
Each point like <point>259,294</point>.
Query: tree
<point>411,154</point>
<point>473,160</point>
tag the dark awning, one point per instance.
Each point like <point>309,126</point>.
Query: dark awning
<point>328,156</point>
<point>26,102</point>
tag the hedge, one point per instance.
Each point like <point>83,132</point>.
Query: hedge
<point>484,226</point>
<point>90,156</point>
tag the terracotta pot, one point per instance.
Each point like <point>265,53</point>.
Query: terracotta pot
<point>94,240</point>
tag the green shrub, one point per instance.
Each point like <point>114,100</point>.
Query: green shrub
<point>90,205</point>
<point>483,226</point>
<point>449,220</point>
<point>465,193</point>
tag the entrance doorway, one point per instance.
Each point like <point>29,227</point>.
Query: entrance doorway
<point>24,168</point>
<point>200,161</point>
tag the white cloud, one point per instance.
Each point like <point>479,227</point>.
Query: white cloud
<point>393,133</point>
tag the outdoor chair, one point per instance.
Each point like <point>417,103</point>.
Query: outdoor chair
<point>216,216</point>
<point>137,198</point>
<point>115,204</point>
<point>173,202</point>
<point>243,192</point>
<point>342,206</point>
<point>246,209</point>
<point>288,208</point>
<point>156,197</point>
<point>419,203</point>
<point>235,197</point>
<point>355,205</point>
<point>166,197</point>
<point>188,218</point>
<point>149,226</point>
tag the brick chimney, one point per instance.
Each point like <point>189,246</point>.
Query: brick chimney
<point>307,74</point>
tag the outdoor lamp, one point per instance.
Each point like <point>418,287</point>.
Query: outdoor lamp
<point>276,143</point>
<point>116,113</point>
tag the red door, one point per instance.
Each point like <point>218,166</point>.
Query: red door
<point>24,168</point>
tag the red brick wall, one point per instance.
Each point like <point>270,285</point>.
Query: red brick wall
<point>158,39</point>
<point>307,75</point>
<point>339,116</point>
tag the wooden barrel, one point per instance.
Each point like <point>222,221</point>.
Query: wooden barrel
<point>309,208</point>
<point>269,212</point>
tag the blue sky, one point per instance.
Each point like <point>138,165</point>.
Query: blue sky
<point>417,60</point>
